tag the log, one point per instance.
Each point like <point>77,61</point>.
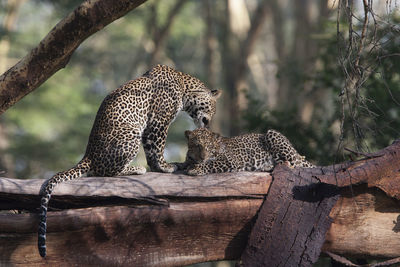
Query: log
<point>172,220</point>
<point>366,222</point>
<point>293,220</point>
<point>184,233</point>
<point>110,221</point>
<point>207,218</point>
<point>87,191</point>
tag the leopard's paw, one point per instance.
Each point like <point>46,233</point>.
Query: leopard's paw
<point>168,168</point>
<point>194,172</point>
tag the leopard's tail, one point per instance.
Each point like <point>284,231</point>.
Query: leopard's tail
<point>45,193</point>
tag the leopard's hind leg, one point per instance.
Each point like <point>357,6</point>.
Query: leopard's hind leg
<point>282,150</point>
<point>130,155</point>
<point>153,145</point>
<point>115,158</point>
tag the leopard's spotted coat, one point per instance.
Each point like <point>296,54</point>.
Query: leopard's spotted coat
<point>209,152</point>
<point>140,111</point>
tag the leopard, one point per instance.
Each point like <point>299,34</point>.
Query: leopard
<point>138,112</point>
<point>209,152</point>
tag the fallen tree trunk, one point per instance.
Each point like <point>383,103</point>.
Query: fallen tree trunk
<point>183,233</point>
<point>171,220</point>
<point>204,218</point>
<point>208,218</point>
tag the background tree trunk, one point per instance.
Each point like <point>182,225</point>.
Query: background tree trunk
<point>9,22</point>
<point>161,34</point>
<point>237,44</point>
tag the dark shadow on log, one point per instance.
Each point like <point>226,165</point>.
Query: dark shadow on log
<point>239,242</point>
<point>314,192</point>
<point>296,210</point>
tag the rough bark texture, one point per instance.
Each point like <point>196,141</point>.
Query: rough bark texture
<point>297,207</point>
<point>202,228</point>
<point>380,169</point>
<point>55,50</point>
<point>200,219</point>
<point>181,234</point>
<point>292,220</point>
<point>366,223</point>
<point>172,220</point>
<point>152,188</point>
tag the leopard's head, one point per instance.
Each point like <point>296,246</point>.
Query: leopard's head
<point>202,145</point>
<point>199,101</point>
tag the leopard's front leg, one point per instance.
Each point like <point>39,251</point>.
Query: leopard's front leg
<point>217,165</point>
<point>198,169</point>
<point>153,139</point>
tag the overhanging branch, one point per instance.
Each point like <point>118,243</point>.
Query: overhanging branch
<point>55,50</point>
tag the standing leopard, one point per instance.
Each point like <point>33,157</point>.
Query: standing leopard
<point>140,111</point>
<point>210,152</point>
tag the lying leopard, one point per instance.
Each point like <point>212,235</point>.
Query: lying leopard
<point>139,111</point>
<point>209,152</point>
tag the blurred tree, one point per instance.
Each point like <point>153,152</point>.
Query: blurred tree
<point>211,45</point>
<point>11,8</point>
<point>237,38</point>
<point>251,44</point>
<point>281,54</point>
<point>160,33</point>
<point>50,128</point>
<point>378,116</point>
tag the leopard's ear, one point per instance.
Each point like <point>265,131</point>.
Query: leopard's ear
<point>216,93</point>
<point>187,134</point>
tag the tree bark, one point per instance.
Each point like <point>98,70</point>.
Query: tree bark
<point>172,220</point>
<point>55,50</point>
<point>185,233</point>
<point>293,220</point>
<point>206,218</point>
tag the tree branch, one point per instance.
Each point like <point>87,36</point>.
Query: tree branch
<point>55,50</point>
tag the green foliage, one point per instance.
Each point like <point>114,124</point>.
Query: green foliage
<point>378,112</point>
<point>48,129</point>
<point>317,144</point>
<point>382,91</point>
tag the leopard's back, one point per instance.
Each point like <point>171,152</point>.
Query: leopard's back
<point>248,153</point>
<point>283,150</point>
